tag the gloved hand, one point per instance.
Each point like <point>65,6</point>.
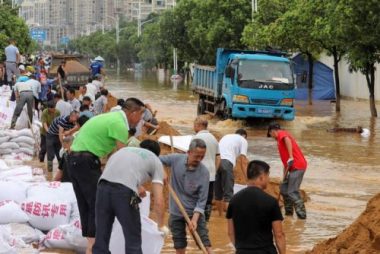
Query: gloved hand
<point>290,162</point>
<point>164,230</point>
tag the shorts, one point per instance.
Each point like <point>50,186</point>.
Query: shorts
<point>224,181</point>
<point>177,226</point>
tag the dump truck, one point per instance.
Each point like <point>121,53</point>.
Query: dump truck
<point>246,84</point>
<point>77,67</point>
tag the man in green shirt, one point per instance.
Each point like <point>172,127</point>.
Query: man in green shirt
<point>47,117</point>
<point>98,138</point>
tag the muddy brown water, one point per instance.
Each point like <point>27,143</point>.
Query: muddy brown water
<point>343,170</point>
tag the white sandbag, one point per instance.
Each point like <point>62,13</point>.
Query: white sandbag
<point>25,145</point>
<point>9,145</point>
<point>26,232</point>
<point>13,190</point>
<point>152,239</point>
<point>74,212</point>
<point>56,239</point>
<point>12,162</point>
<point>10,212</point>
<point>5,152</point>
<point>37,171</point>
<point>57,190</point>
<point>238,187</point>
<point>73,235</point>
<point>28,151</point>
<point>5,247</point>
<point>23,139</point>
<point>25,132</point>
<point>3,165</point>
<point>23,173</point>
<point>145,205</point>
<point>46,213</point>
<point>4,139</point>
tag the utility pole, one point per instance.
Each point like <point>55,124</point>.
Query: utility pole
<point>139,20</point>
<point>117,43</point>
<point>254,7</point>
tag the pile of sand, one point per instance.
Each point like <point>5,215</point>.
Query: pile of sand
<point>363,236</point>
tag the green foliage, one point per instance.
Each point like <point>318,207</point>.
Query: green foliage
<point>11,26</point>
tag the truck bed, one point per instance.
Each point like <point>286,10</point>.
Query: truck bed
<point>205,80</point>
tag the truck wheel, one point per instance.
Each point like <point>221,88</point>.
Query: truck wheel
<point>201,107</point>
<point>226,112</point>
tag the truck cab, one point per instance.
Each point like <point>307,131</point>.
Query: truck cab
<point>246,84</point>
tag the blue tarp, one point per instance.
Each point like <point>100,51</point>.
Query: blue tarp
<point>323,80</point>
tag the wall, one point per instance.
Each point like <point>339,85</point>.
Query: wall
<point>353,85</point>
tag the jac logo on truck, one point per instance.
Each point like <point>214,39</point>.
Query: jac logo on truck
<point>265,86</point>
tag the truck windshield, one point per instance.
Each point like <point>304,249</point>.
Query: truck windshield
<point>254,70</point>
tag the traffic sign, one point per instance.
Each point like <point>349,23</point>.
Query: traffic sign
<point>38,34</point>
<point>64,40</point>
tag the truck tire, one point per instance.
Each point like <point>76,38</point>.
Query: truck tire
<point>226,112</point>
<point>201,107</point>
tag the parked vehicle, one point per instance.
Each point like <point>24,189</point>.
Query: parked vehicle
<point>246,84</point>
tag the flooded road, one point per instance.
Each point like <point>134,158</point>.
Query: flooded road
<point>343,168</point>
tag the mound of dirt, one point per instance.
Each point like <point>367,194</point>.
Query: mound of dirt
<point>363,236</point>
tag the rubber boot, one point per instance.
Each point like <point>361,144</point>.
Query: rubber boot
<point>208,210</point>
<point>50,166</point>
<point>288,205</point>
<point>300,209</point>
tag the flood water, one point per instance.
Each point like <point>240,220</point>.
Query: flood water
<point>343,172</point>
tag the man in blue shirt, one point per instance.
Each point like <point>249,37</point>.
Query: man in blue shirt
<point>190,180</point>
<point>12,59</point>
<point>97,67</point>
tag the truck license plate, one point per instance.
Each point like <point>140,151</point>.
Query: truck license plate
<point>264,111</point>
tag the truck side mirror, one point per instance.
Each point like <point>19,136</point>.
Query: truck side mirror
<point>230,72</point>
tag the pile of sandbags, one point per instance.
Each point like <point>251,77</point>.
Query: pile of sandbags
<point>49,215</point>
<point>18,144</point>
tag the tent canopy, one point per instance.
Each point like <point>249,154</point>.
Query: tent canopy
<point>323,79</point>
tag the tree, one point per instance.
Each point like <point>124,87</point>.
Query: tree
<point>361,24</point>
<point>11,26</point>
<point>329,33</point>
<point>289,31</point>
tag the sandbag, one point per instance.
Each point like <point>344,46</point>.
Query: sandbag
<point>28,151</point>
<point>56,190</point>
<point>25,132</point>
<point>73,235</point>
<point>23,173</point>
<point>26,232</point>
<point>3,165</point>
<point>145,205</point>
<point>4,139</point>
<point>13,190</point>
<point>25,145</point>
<point>46,213</point>
<point>10,212</point>
<point>9,145</point>
<point>5,247</point>
<point>5,151</point>
<point>24,139</point>
<point>152,239</point>
<point>56,239</point>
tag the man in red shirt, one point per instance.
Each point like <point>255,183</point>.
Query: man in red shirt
<point>294,168</point>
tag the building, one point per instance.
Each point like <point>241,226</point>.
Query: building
<point>69,19</point>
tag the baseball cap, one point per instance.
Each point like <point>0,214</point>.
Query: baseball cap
<point>21,67</point>
<point>273,126</point>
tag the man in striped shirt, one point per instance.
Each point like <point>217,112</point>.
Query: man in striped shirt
<point>60,127</point>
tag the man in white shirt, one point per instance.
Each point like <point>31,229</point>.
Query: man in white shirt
<point>117,195</point>
<point>84,91</point>
<point>36,88</point>
<point>74,102</point>
<point>231,147</point>
<point>92,90</point>
<point>24,95</point>
<point>97,81</point>
<point>211,159</point>
<point>62,106</point>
